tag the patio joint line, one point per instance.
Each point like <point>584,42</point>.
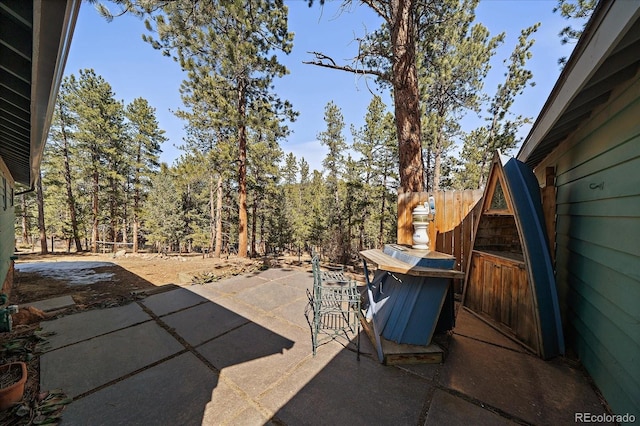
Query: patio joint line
<point>222,334</point>
<point>484,405</point>
<point>431,390</point>
<point>128,375</point>
<point>178,310</point>
<point>98,335</point>
<point>189,347</point>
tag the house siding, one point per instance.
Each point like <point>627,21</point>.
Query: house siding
<point>7,233</point>
<point>598,245</point>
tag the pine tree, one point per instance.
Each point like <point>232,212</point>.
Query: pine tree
<point>161,213</point>
<point>194,197</point>
<point>60,145</point>
<point>228,50</point>
<point>315,195</point>
<point>333,164</point>
<point>146,138</point>
<point>452,64</point>
<point>100,143</point>
<point>377,146</point>
<point>577,11</point>
<point>264,155</point>
<point>389,54</point>
<point>501,131</point>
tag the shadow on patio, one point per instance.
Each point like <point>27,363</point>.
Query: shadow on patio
<point>238,351</point>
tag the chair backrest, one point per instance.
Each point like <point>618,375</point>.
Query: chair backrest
<point>315,267</point>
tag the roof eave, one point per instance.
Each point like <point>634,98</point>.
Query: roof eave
<point>52,33</point>
<point>608,25</point>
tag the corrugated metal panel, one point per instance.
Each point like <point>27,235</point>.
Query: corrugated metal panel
<point>598,229</point>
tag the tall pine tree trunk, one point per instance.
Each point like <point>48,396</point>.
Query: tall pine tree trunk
<point>406,94</point>
<point>113,212</point>
<point>242,175</point>
<point>254,219</point>
<point>94,212</point>
<point>437,164</point>
<point>212,213</point>
<point>41,225</point>
<point>135,233</point>
<point>71,201</point>
<point>218,247</point>
<point>136,200</point>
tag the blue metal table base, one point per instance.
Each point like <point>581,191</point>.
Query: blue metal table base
<point>404,309</point>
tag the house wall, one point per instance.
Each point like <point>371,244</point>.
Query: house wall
<point>7,232</point>
<point>598,245</point>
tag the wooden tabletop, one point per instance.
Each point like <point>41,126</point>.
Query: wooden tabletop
<point>391,264</point>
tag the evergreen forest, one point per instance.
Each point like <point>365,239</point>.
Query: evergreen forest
<point>233,189</point>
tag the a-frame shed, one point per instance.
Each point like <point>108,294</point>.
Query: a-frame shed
<point>510,282</point>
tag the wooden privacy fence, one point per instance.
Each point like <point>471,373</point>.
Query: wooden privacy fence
<point>452,230</point>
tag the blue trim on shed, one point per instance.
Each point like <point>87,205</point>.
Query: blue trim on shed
<point>525,196</point>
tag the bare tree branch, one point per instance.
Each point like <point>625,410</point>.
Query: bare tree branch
<point>377,7</point>
<point>325,61</point>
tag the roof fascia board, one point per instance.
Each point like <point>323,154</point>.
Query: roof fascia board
<point>53,25</point>
<point>617,20</point>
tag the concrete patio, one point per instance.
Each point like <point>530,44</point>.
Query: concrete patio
<point>238,352</point>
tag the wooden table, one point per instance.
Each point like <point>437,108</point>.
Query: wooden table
<point>407,294</point>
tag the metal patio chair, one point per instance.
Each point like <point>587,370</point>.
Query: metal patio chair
<point>334,304</point>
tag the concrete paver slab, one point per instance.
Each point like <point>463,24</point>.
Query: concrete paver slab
<point>249,417</point>
<point>278,273</point>
<point>84,366</point>
<point>252,329</point>
<point>294,312</point>
<point>175,392</point>
<point>281,392</point>
<point>254,357</point>
<point>237,284</point>
<point>346,391</point>
<point>172,301</point>
<point>446,409</point>
<point>426,371</point>
<point>203,322</point>
<point>299,279</point>
<point>271,295</point>
<point>227,401</point>
<point>75,328</point>
<point>229,302</point>
<point>468,325</point>
<point>526,387</point>
<point>52,304</point>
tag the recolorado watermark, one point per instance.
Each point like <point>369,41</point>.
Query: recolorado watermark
<point>604,418</point>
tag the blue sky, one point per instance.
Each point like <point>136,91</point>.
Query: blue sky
<point>116,52</point>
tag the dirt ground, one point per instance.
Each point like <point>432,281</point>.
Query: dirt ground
<point>126,274</point>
